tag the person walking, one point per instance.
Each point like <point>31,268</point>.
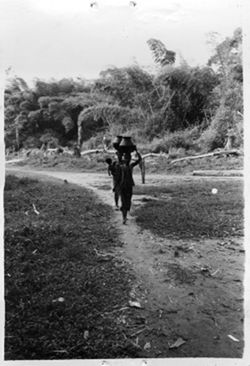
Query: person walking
<point>126,183</point>
<point>114,170</point>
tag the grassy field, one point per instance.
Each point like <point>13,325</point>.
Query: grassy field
<point>63,298</point>
<point>58,290</point>
<point>184,209</point>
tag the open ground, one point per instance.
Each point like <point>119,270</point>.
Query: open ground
<point>184,258</point>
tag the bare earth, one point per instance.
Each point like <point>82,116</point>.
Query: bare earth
<point>194,295</point>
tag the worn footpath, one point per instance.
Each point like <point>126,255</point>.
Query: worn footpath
<point>188,294</point>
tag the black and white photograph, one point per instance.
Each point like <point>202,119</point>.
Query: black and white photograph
<point>123,185</point>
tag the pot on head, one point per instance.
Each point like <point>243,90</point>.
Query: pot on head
<point>126,145</point>
<point>117,141</point>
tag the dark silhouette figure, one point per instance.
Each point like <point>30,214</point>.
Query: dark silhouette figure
<point>114,169</point>
<point>126,183</point>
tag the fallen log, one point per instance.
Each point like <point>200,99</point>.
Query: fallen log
<point>90,152</point>
<point>97,151</point>
<point>105,151</point>
<point>215,153</point>
<point>13,161</point>
<point>151,155</point>
<point>219,173</point>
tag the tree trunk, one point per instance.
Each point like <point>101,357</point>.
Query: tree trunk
<point>79,137</point>
<point>143,170</point>
<point>77,152</point>
<point>17,137</point>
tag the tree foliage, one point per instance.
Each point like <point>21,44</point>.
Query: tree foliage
<point>161,54</point>
<point>228,95</point>
<point>105,116</point>
<point>130,99</point>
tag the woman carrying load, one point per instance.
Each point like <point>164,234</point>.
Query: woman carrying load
<point>126,183</point>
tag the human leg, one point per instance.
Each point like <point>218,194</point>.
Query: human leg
<point>116,197</point>
<point>116,191</point>
<point>126,196</point>
<point>124,216</point>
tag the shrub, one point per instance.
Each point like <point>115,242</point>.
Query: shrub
<point>239,134</point>
<point>210,140</point>
<point>32,142</point>
<point>177,153</point>
<point>185,139</point>
<point>215,135</point>
<point>44,102</point>
<point>50,138</point>
<point>93,143</point>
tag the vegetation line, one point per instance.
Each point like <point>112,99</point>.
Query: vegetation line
<point>176,110</point>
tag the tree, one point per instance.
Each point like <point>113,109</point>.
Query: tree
<point>13,97</point>
<point>124,84</point>
<point>115,82</point>
<point>103,115</point>
<point>227,97</point>
<point>227,59</point>
<point>21,121</point>
<point>185,95</point>
<point>161,54</point>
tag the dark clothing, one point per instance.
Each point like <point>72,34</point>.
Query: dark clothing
<point>126,197</point>
<point>114,169</point>
<point>127,183</point>
<point>123,182</point>
<point>127,176</point>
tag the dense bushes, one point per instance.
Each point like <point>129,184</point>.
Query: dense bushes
<point>180,107</point>
<point>177,140</point>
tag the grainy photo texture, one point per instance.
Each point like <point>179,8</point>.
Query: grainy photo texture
<point>123,194</point>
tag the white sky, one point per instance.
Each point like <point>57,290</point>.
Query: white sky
<point>67,38</point>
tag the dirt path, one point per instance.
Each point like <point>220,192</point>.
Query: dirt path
<point>190,290</point>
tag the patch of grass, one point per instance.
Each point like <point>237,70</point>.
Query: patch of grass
<point>191,210</point>
<point>13,182</point>
<point>56,286</point>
